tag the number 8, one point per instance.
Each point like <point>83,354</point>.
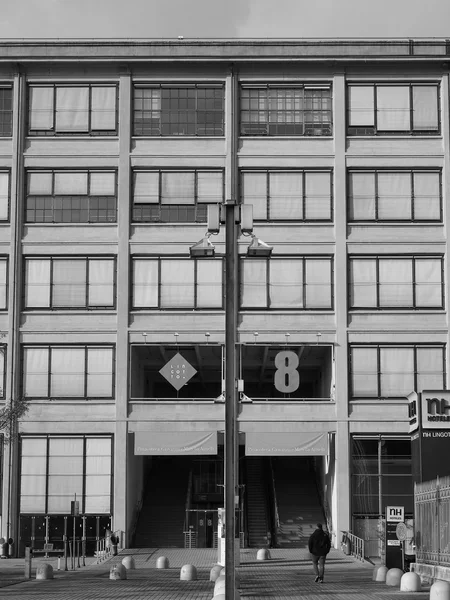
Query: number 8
<point>287,378</point>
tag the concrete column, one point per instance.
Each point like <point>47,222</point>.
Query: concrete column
<point>445,126</point>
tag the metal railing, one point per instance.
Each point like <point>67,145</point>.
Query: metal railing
<point>353,545</point>
<point>105,547</point>
<point>432,518</point>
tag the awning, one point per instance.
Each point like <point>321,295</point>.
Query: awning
<point>286,444</point>
<point>175,442</point>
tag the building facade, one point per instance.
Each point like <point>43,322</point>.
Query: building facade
<point>110,153</point>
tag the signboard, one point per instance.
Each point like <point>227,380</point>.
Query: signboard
<point>413,411</point>
<point>394,554</point>
<point>175,442</point>
<point>436,410</point>
<point>178,371</point>
<point>301,443</point>
<point>395,514</point>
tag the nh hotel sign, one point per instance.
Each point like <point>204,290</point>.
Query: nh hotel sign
<point>429,426</point>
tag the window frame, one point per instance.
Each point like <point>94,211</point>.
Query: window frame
<point>303,259</point>
<point>381,171</point>
<point>378,346</point>
<point>51,132</point>
<point>3,112</point>
<point>5,258</point>
<point>8,201</point>
<point>160,259</point>
<point>199,217</point>
<point>4,351</point>
<point>138,85</point>
<point>84,397</point>
<point>78,258</point>
<point>54,197</point>
<point>378,285</point>
<point>263,127</point>
<point>303,174</point>
<point>373,130</point>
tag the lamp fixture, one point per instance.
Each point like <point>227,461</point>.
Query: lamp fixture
<point>259,248</point>
<point>203,248</point>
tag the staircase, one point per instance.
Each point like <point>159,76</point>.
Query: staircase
<point>299,507</point>
<point>161,520</point>
<point>256,495</point>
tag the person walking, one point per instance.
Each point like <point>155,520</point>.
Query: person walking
<point>319,544</point>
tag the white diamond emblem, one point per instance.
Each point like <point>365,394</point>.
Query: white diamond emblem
<point>178,371</point>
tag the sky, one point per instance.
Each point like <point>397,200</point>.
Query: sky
<point>224,18</point>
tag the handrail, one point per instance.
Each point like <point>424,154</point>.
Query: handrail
<point>353,545</point>
<point>187,504</point>
<point>105,546</point>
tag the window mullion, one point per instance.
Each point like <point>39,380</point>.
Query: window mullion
<point>413,270</point>
<point>87,282</point>
<point>195,283</point>
<point>379,371</point>
<point>49,375</point>
<point>159,281</point>
<point>268,283</point>
<point>411,110</point>
<point>85,371</point>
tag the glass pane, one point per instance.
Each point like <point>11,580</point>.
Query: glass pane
<point>39,183</point>
<point>35,372</point>
<point>425,107</point>
<point>286,283</point>
<point>101,283</point>
<point>102,184</point>
<point>361,106</point>
<point>100,446</point>
<point>100,373</point>
<point>396,282</point>
<point>318,283</point>
<point>397,371</point>
<point>37,283</point>
<point>72,109</point>
<point>254,192</point>
<point>209,284</point>
<point>68,371</point>
<point>363,283</point>
<point>364,368</point>
<point>394,196</point>
<point>318,196</point>
<point>253,283</point>
<point>430,368</point>
<point>177,188</point>
<point>4,196</point>
<point>145,283</point>
<point>427,196</point>
<point>286,195</point>
<point>362,196</point>
<point>177,283</point>
<point>71,183</point>
<point>210,187</point>
<point>41,108</point>
<point>146,187</point>
<point>103,108</point>
<point>69,283</point>
<point>393,112</point>
<point>428,282</point>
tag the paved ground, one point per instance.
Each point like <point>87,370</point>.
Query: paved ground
<point>287,576</point>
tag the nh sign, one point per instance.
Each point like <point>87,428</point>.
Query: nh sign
<point>395,514</point>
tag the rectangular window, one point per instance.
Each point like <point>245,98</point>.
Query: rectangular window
<point>391,109</point>
<point>295,110</point>
<point>393,371</point>
<point>4,195</point>
<point>175,196</point>
<point>71,197</point>
<point>171,283</point>
<point>188,110</point>
<point>300,283</point>
<point>55,468</point>
<point>6,111</point>
<point>396,196</point>
<point>3,282</point>
<point>288,195</point>
<point>61,372</point>
<point>415,282</point>
<point>67,109</point>
<point>70,283</point>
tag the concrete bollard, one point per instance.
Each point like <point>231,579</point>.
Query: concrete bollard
<point>393,577</point>
<point>263,554</point>
<point>162,562</point>
<point>188,573</point>
<point>219,588</point>
<point>381,573</point>
<point>44,571</point>
<point>128,563</point>
<point>215,572</point>
<point>410,582</point>
<point>118,572</point>
<point>440,590</point>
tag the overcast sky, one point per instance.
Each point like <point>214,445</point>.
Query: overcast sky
<point>227,18</point>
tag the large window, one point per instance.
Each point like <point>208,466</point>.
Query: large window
<point>69,282</point>
<point>68,109</point>
<point>71,197</point>
<point>6,111</point>
<point>287,283</point>
<point>394,371</point>
<point>396,282</point>
<point>397,196</point>
<point>175,196</point>
<point>3,282</point>
<point>55,468</point>
<point>2,371</point>
<point>286,110</point>
<point>61,372</point>
<point>4,195</point>
<point>288,195</point>
<point>179,110</point>
<point>171,283</point>
<point>387,109</point>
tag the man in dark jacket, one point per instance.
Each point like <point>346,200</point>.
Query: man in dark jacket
<point>319,545</point>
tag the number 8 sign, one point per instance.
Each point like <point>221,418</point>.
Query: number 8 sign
<point>287,378</point>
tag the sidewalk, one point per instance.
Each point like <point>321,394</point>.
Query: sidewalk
<point>287,576</point>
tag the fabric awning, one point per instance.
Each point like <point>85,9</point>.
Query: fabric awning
<point>286,444</point>
<point>175,442</point>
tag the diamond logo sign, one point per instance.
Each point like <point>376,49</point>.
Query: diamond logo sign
<point>178,371</point>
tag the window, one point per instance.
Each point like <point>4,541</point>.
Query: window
<point>393,371</point>
<point>6,110</point>
<point>397,282</point>
<point>403,196</point>
<point>68,371</point>
<point>4,195</point>
<point>72,109</point>
<point>2,371</point>
<point>287,283</point>
<point>71,197</point>
<point>3,282</point>
<point>70,282</point>
<point>286,110</point>
<point>55,468</point>
<point>387,109</point>
<point>175,196</point>
<point>288,195</point>
<point>179,110</point>
<point>171,283</point>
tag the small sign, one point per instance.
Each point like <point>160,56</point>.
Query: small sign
<point>178,371</point>
<point>393,542</point>
<point>48,547</point>
<point>401,531</point>
<point>395,514</point>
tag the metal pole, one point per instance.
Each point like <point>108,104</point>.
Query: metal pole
<point>230,394</point>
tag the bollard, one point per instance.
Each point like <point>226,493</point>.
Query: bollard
<point>128,563</point>
<point>118,572</point>
<point>4,549</point>
<point>162,562</point>
<point>28,560</point>
<point>410,582</point>
<point>381,573</point>
<point>263,554</point>
<point>393,577</point>
<point>440,590</point>
<point>44,571</point>
<point>188,573</point>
